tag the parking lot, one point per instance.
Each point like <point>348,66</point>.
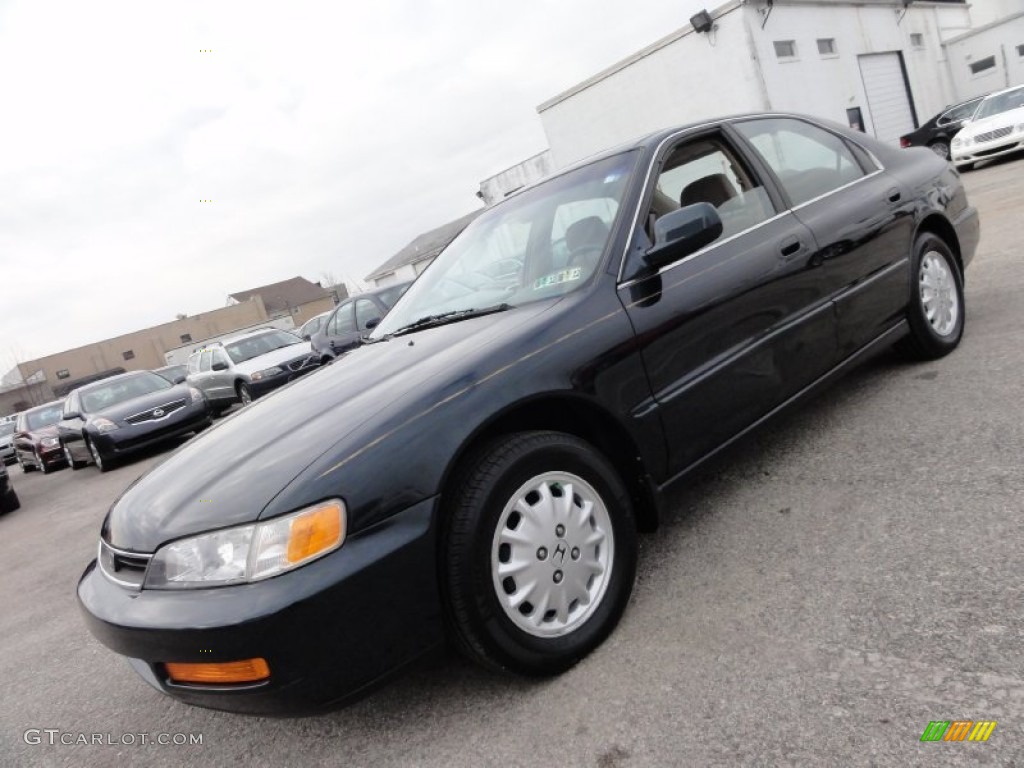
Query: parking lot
<point>817,597</point>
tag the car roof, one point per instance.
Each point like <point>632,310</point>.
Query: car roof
<point>102,382</point>
<point>233,339</point>
<point>1005,90</point>
<point>40,407</point>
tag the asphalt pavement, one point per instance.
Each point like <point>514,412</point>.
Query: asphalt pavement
<point>816,598</point>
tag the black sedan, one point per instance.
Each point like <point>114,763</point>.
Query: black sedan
<point>8,496</point>
<point>479,469</point>
<point>937,134</point>
<point>110,419</point>
<point>346,326</point>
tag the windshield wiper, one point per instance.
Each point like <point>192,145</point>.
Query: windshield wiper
<point>444,318</point>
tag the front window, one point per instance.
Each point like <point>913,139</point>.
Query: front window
<point>1001,102</point>
<point>44,417</point>
<point>254,346</point>
<point>542,243</point>
<point>112,393</point>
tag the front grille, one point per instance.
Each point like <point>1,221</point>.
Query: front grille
<point>152,414</point>
<point>996,151</point>
<point>125,568</point>
<point>302,363</point>
<point>993,135</point>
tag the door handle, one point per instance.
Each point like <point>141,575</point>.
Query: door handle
<point>790,247</point>
<point>893,195</point>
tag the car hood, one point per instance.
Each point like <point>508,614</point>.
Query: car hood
<point>270,359</point>
<point>35,435</point>
<point>229,474</point>
<point>1002,120</point>
<point>143,403</point>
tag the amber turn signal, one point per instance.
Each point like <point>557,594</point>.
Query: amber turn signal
<point>314,531</point>
<point>248,671</point>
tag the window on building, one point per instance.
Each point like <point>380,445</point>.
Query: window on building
<point>1020,51</point>
<point>63,374</point>
<point>128,354</point>
<point>785,49</point>
<point>827,46</point>
<point>982,65</point>
<point>809,161</point>
<point>185,338</point>
<point>916,40</point>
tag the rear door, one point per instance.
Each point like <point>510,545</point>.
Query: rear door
<point>862,220</point>
<point>733,330</point>
<point>221,378</point>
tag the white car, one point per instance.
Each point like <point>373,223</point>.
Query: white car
<point>997,129</point>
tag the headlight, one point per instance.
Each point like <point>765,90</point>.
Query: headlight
<point>50,442</point>
<point>250,552</point>
<point>104,425</point>
<point>197,396</point>
<point>265,374</point>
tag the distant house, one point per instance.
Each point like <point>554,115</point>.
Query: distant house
<point>417,255</point>
<point>296,297</point>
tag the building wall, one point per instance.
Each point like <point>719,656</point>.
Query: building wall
<point>499,186</point>
<point>1004,41</point>
<point>404,274</point>
<point>827,85</point>
<point>988,11</point>
<point>685,77</point>
<point>147,346</point>
<point>308,311</point>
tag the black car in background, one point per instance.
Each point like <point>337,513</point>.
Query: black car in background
<point>479,468</point>
<point>352,320</point>
<point>36,445</point>
<point>105,421</point>
<point>8,498</point>
<point>937,134</point>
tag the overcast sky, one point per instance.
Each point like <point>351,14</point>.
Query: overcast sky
<point>327,136</point>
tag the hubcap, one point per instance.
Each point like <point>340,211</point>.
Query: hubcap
<point>938,293</point>
<point>97,459</point>
<point>942,150</point>
<point>246,397</point>
<point>552,554</point>
<point>67,454</point>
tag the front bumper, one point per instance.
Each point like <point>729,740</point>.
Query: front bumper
<point>263,386</point>
<point>130,438</point>
<point>7,453</point>
<point>329,630</point>
<point>975,153</point>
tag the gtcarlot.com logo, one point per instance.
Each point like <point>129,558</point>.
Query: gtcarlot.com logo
<point>55,736</point>
<point>958,730</point>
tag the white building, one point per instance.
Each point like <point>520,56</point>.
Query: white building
<point>989,57</point>
<point>877,64</point>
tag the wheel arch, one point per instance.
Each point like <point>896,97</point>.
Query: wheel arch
<point>938,225</point>
<point>576,416</point>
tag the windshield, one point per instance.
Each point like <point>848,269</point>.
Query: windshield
<point>254,346</point>
<point>1002,102</point>
<point>121,390</point>
<point>44,417</point>
<point>6,428</point>
<point>543,243</point>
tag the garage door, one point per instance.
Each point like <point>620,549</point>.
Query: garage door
<point>888,95</point>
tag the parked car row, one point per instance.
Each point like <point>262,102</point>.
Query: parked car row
<point>974,130</point>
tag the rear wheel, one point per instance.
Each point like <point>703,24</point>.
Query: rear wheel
<point>21,463</point>
<point>936,312</point>
<point>940,148</point>
<point>539,553</point>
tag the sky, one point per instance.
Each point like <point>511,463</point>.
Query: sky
<point>325,137</point>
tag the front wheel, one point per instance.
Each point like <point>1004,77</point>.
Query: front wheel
<point>102,462</point>
<point>936,311</point>
<point>72,462</point>
<point>539,553</point>
<point>244,394</point>
<point>41,464</point>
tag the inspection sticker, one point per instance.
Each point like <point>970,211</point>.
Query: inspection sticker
<point>565,276</point>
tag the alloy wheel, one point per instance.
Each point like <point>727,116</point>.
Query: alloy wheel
<point>939,293</point>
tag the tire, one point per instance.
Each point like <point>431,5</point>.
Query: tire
<point>492,618</point>
<point>940,148</point>
<point>103,463</point>
<point>244,394</point>
<point>936,310</point>
<point>24,467</point>
<point>75,465</point>
<point>41,464</point>
<point>965,167</point>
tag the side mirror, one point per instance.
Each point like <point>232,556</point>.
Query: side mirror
<point>219,367</point>
<point>682,232</point>
<point>179,379</point>
<point>306,337</point>
<point>72,415</point>
<point>372,323</point>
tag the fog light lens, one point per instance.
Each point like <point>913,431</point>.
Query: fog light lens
<point>248,671</point>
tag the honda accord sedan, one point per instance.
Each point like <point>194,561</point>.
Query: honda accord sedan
<point>478,470</point>
<point>105,421</point>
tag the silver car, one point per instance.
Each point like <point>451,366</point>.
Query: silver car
<point>243,368</point>
<point>7,442</point>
